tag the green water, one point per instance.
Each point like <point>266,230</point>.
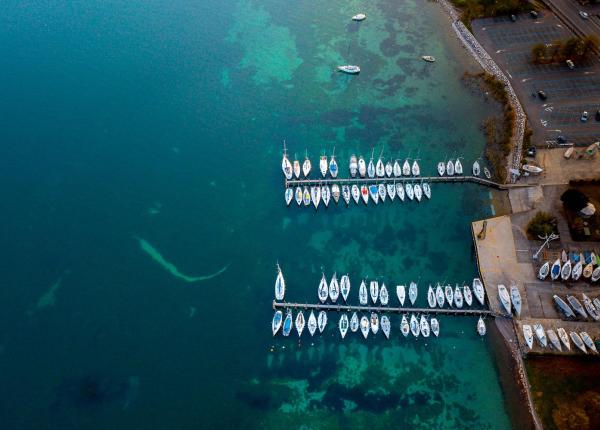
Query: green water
<point>143,215</point>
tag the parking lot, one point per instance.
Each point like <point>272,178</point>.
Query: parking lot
<point>569,92</point>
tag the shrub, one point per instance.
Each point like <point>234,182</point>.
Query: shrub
<point>541,224</point>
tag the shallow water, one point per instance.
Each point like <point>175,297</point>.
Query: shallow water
<point>162,123</point>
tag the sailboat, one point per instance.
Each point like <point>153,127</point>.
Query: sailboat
<point>362,167</point>
<point>312,323</point>
<point>333,166</point>
<point>528,335</point>
<point>334,288</point>
<point>412,292</point>
<point>587,339</point>
<point>325,195</point>
<point>289,195</point>
<point>335,193</point>
<point>449,295</point>
<point>404,327</point>
<point>296,168</point>
<point>406,168</point>
<point>439,295</point>
<point>538,329</point>
<point>441,167</point>
<point>409,191</point>
<point>554,341</point>
<point>363,296</point>
<point>364,326</point>
<point>397,169</point>
<point>354,323</point>
<point>287,324</point>
<point>306,166</point>
<point>458,169</point>
<point>435,326</point>
<point>276,323</point>
<point>353,166</point>
<point>414,326</point>
<point>323,165</point>
<point>562,334</point>
<point>476,168</point>
<point>356,193</point>
<point>323,290</point>
<point>306,197</point>
<point>458,297</point>
<point>400,190</point>
<point>577,341</point>
<point>346,195</point>
<point>381,192</point>
<point>565,272</point>
<point>555,270</point>
<point>467,295</point>
<point>504,298</point>
<point>322,321</point>
<point>481,327</point>
<point>418,192</point>
<point>279,284</point>
<point>416,171</point>
<point>515,297</point>
<point>424,326</point>
<point>379,169</point>
<point>315,196</point>
<point>300,323</point>
<point>401,293</point>
<point>478,290</point>
<point>374,290</point>
<point>286,166</point>
<point>298,195</point>
<point>383,295</point>
<point>544,270</point>
<point>343,325</point>
<point>345,287</point>
<point>385,326</point>
<point>450,168</point>
<point>374,323</point>
<point>364,192</point>
<point>374,193</point>
<point>388,169</point>
<point>426,189</point>
<point>391,190</point>
<point>431,297</point>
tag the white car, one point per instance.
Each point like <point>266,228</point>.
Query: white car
<point>583,14</point>
<point>584,116</point>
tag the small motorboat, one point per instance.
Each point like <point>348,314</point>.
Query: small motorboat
<point>441,167</point>
<point>426,189</point>
<point>287,324</point>
<point>504,298</point>
<point>363,296</point>
<point>289,195</point>
<point>374,323</point>
<point>449,295</point>
<point>415,169</point>
<point>335,192</point>
<point>323,165</point>
<point>435,327</point>
<point>410,191</point>
<point>418,192</point>
<point>279,284</point>
<point>298,195</point>
<point>588,270</point>
<point>323,289</point>
<point>300,323</point>
<point>544,270</point>
<point>568,152</point>
<point>334,288</point>
<point>576,305</point>
<point>401,293</point>
<point>383,295</point>
<point>379,168</point>
<point>343,325</point>
<point>400,191</point>
<point>564,256</point>
<point>364,326</point>
<point>306,197</point>
<point>450,168</point>
<point>276,323</point>
<point>476,168</point>
<point>487,173</point>
<point>385,326</point>
<point>528,335</point>
<point>388,169</point>
<point>349,69</point>
<point>345,287</point>
<point>577,271</point>
<point>588,341</point>
<point>478,291</point>
<point>371,168</point>
<point>322,321</point>
<point>589,307</point>
<point>381,191</point>
<point>540,334</point>
<point>353,166</point>
<point>562,334</point>
<point>458,169</point>
<point>481,327</point>
<point>315,196</point>
<point>359,17</point>
<point>354,323</point>
<point>555,270</point>
<point>458,297</point>
<point>577,341</point>
<point>554,341</point>
<point>530,168</point>
<point>563,307</point>
<point>374,290</point>
<point>397,170</point>
<point>362,167</point>
<point>431,297</point>
<point>306,166</point>
<point>414,326</point>
<point>596,274</point>
<point>325,195</point>
<point>515,298</point>
<point>312,323</point>
<point>596,303</point>
<point>406,168</point>
<point>374,193</point>
<point>412,292</point>
<point>296,169</point>
<point>428,58</point>
<point>467,295</point>
<point>424,326</point>
<point>404,327</point>
<point>439,295</point>
<point>391,191</point>
<point>346,194</point>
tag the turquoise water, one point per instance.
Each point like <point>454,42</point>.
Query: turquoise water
<point>143,214</point>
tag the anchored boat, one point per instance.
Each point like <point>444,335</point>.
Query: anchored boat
<point>481,327</point>
<point>279,284</point>
<point>359,17</point>
<point>349,69</point>
<point>276,323</point>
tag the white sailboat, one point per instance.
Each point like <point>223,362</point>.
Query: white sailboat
<point>458,169</point>
<point>431,297</point>
<point>353,165</point>
<point>334,288</point>
<point>374,290</point>
<point>450,168</point>
<point>504,298</point>
<point>554,341</point>
<point>296,169</point>
<point>476,168</point>
<point>409,191</point>
<point>562,334</point>
<point>354,323</point>
<point>289,195</point>
<point>426,190</point>
<point>345,287</point>
<point>322,321</point>
<point>379,168</point>
<point>479,291</point>
<point>439,295</point>
<point>349,69</point>
<point>404,327</point>
<point>544,270</point>
<point>298,195</point>
<point>333,166</point>
<point>300,323</point>
<point>381,192</point>
<point>323,165</point>
<point>306,197</point>
<point>306,166</point>
<point>414,326</point>
<point>323,290</point>
<point>362,167</point>
<point>406,168</point>
<point>391,191</point>
<point>577,271</point>
<point>449,292</point>
<point>286,166</point>
<point>385,326</point>
<point>413,292</point>
<point>418,192</point>
<point>335,192</point>
<point>374,323</point>
<point>325,195</point>
<point>279,284</point>
<point>481,327</point>
<point>401,293</point>
<point>346,194</point>
<point>343,325</point>
<point>400,190</point>
<point>424,326</point>
<point>458,297</point>
<point>388,169</point>
<point>416,170</point>
<point>397,169</point>
<point>363,296</point>
<point>364,193</point>
<point>467,295</point>
<point>315,196</point>
<point>276,323</point>
<point>565,272</point>
<point>515,297</point>
<point>538,329</point>
<point>312,323</point>
<point>383,295</point>
<point>528,335</point>
<point>435,326</point>
<point>441,168</point>
<point>355,193</point>
<point>364,326</point>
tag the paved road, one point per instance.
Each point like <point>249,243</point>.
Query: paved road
<point>568,11</point>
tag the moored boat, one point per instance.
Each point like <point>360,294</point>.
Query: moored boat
<point>401,293</point>
<point>458,169</point>
<point>379,168</point>
<point>355,192</point>
<point>286,166</point>
<point>530,168</point>
<point>487,173</point>
<point>353,165</point>
<point>325,195</point>
<point>335,192</point>
<point>364,326</point>
<point>504,298</point>
<point>334,288</point>
<point>296,169</point>
<point>588,270</point>
<point>410,193</point>
<point>362,167</point>
<point>323,290</point>
<point>406,168</point>
<point>349,69</point>
<point>404,327</point>
<point>426,189</point>
<point>415,169</point>
<point>528,335</point>
<point>359,17</point>
<point>435,326</point>
<point>374,323</point>
<point>276,323</point>
<point>306,166</point>
<point>363,296</point>
<point>414,326</point>
<point>287,324</point>
<point>424,326</point>
<point>289,195</point>
<point>397,170</point>
<point>589,307</point>
<point>383,295</point>
<point>279,284</point>
<point>400,190</point>
<point>467,295</point>
<point>306,197</point>
<point>478,291</point>
<point>300,323</point>
<point>481,327</point>
<point>476,169</point>
<point>412,292</point>
<point>371,167</point>
<point>298,195</point>
<point>439,295</point>
<point>333,166</point>
<point>596,274</point>
<point>388,169</point>
<point>450,168</point>
<point>345,287</point>
<point>374,193</point>
<point>315,196</point>
<point>323,165</point>
<point>577,271</point>
<point>354,323</point>
<point>343,325</point>
<point>312,323</point>
<point>374,290</point>
<point>418,192</point>
<point>322,321</point>
<point>391,190</point>
<point>458,297</point>
<point>515,298</point>
<point>381,191</point>
<point>431,297</point>
<point>449,295</point>
<point>364,193</point>
<point>441,167</point>
<point>385,326</point>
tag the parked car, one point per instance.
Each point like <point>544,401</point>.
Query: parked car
<point>584,116</point>
<point>583,14</point>
<point>513,18</point>
<point>561,139</point>
<point>542,95</point>
<point>533,14</point>
<point>570,64</point>
<point>531,151</point>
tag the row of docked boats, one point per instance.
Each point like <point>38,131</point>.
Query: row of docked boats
<point>572,266</point>
<point>455,297</point>
<point>373,192</point>
<point>511,301</point>
<point>417,325</point>
<point>573,309</point>
<point>453,167</point>
<point>357,167</point>
<point>559,339</point>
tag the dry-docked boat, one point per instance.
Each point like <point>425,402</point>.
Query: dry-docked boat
<point>564,256</point>
<point>363,296</point>
<point>400,190</point>
<point>287,324</point>
<point>563,307</point>
<point>322,321</point>
<point>540,334</point>
<point>323,290</point>
<point>388,169</point>
<point>323,165</point>
<point>589,307</point>
<point>404,327</point>
<point>401,293</point>
<point>300,323</point>
<point>577,341</point>
<point>343,325</point>
<point>449,295</point>
<point>418,192</point>
<point>306,166</point>
<point>458,297</point>
<point>431,297</point>
<point>596,274</point>
<point>544,270</point>
<point>334,288</point>
<point>576,305</point>
<point>383,295</point>
<point>276,323</point>
<point>349,69</point>
<point>458,169</point>
<point>554,341</point>
<point>364,326</point>
<point>481,327</point>
<point>410,193</point>
<point>296,168</point>
<point>565,272</point>
<point>381,191</point>
<point>385,326</point>
<point>530,168</point>
<point>487,173</point>
<point>479,291</point>
<point>279,284</point>
<point>450,168</point>
<point>515,297</point>
<point>528,335</point>
<point>406,168</point>
<point>325,195</point>
<point>289,195</point>
<point>354,323</point>
<point>374,323</point>
<point>353,165</point>
<point>415,169</point>
<point>562,334</point>
<point>555,270</point>
<point>345,287</point>
<point>306,197</point>
<point>426,189</point>
<point>374,290</point>
<point>362,167</point>
<point>435,327</point>
<point>298,195</point>
<point>588,341</point>
<point>504,298</point>
<point>588,270</point>
<point>335,192</point>
<point>439,295</point>
<point>397,169</point>
<point>441,167</point>
<point>424,326</point>
<point>467,295</point>
<point>577,271</point>
<point>414,326</point>
<point>476,169</point>
<point>312,323</point>
<point>412,292</point>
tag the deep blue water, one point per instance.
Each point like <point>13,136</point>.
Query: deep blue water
<point>124,123</point>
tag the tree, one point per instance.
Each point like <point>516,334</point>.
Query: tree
<point>541,224</point>
<point>538,52</point>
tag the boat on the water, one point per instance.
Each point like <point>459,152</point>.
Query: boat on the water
<point>458,169</point>
<point>401,293</point>
<point>404,327</point>
<point>306,166</point>
<point>374,323</point>
<point>476,168</point>
<point>412,292</point>
<point>439,295</point>
<point>467,295</point>
<point>276,323</point>
<point>362,167</point>
<point>296,169</point>
<point>359,17</point>
<point>286,166</point>
<point>449,295</point>
<point>540,334</point>
<point>364,326</point>
<point>300,323</point>
<point>315,196</point>
<point>374,193</point>
<point>587,339</point>
<point>289,195</point>
<point>530,168</point>
<point>418,192</point>
<point>410,191</point>
<point>415,169</point>
<point>428,58</point>
<point>578,341</point>
<point>335,193</point>
<point>354,323</point>
<point>353,165</point>
<point>306,197</point>
<point>391,190</point>
<point>354,192</point>
<point>325,195</point>
<point>576,305</point>
<point>435,327</point>
<point>414,326</point>
<point>431,297</point>
<point>441,167</point>
<point>287,324</point>
<point>298,195</point>
<point>397,170</point>
<point>322,321</point>
<point>481,327</point>
<point>426,189</point>
<point>345,287</point>
<point>379,167</point>
<point>515,298</point>
<point>450,168</point>
<point>562,334</point>
<point>383,295</point>
<point>385,326</point>
<point>563,307</point>
<point>371,167</point>
<point>323,290</point>
<point>406,168</point>
<point>279,284</point>
<point>381,191</point>
<point>374,290</point>
<point>458,297</point>
<point>487,173</point>
<point>528,335</point>
<point>364,193</point>
<point>544,270</point>
<point>424,326</point>
<point>323,165</point>
<point>554,341</point>
<point>363,296</point>
<point>349,69</point>
<point>343,325</point>
<point>400,190</point>
<point>478,291</point>
<point>504,298</point>
<point>312,323</point>
<point>388,169</point>
<point>555,270</point>
<point>334,288</point>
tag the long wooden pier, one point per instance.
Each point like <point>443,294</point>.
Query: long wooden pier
<point>447,179</point>
<point>353,308</point>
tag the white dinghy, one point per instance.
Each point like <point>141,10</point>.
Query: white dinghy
<point>578,342</point>
<point>554,341</point>
<point>481,327</point>
<point>544,270</point>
